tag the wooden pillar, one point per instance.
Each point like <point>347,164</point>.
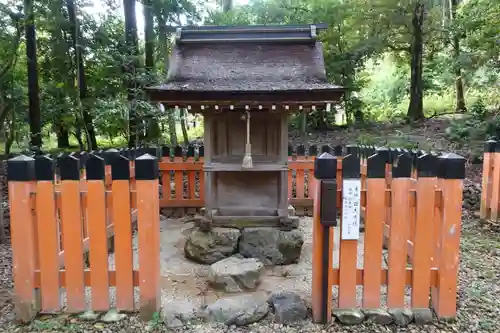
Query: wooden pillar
<point>20,173</point>
<point>148,221</point>
<point>488,166</point>
<point>452,172</point>
<point>97,229</point>
<point>47,227</point>
<point>325,217</point>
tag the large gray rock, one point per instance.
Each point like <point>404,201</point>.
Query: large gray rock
<point>271,246</point>
<point>237,310</point>
<point>176,314</point>
<point>378,316</point>
<point>349,316</point>
<point>212,246</point>
<point>236,274</point>
<point>288,307</point>
<point>401,317</point>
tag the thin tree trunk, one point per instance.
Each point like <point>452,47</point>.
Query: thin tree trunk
<point>33,86</point>
<point>185,136</point>
<point>415,108</point>
<point>81,79</point>
<point>62,137</point>
<point>459,83</point>
<point>171,127</point>
<point>149,36</point>
<point>131,42</point>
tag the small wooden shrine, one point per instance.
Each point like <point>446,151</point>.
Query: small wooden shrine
<point>245,81</point>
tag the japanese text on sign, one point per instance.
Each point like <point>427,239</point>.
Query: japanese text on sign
<point>351,208</point>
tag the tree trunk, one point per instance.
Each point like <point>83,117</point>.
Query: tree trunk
<point>33,87</point>
<point>415,108</point>
<point>62,137</point>
<point>459,83</point>
<point>171,127</point>
<point>130,66</point>
<point>227,5</point>
<point>81,79</point>
<point>149,36</point>
<point>185,136</point>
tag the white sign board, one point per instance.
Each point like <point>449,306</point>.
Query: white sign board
<point>351,208</point>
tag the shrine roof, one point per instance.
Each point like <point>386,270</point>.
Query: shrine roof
<point>259,60</point>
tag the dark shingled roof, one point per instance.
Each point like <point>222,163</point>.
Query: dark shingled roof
<point>227,62</point>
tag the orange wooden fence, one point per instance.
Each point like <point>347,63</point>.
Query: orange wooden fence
<point>405,203</point>
<point>80,212</point>
<point>490,192</point>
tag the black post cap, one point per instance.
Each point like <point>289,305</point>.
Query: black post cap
<point>120,168</point>
<point>402,166</point>
<point>385,153</point>
<point>375,166</point>
<point>451,166</point>
<point>165,151</point>
<point>351,167</point>
<point>110,155</point>
<point>301,150</point>
<point>95,167</point>
<point>325,166</point>
<point>151,151</point>
<point>21,169</point>
<point>313,150</point>
<point>69,167</point>
<point>189,151</point>
<point>146,167</point>
<point>427,166</point>
<point>44,168</point>
<point>490,146</point>
<point>352,150</point>
<point>178,151</point>
<point>326,149</point>
<point>337,150</point>
<point>201,151</point>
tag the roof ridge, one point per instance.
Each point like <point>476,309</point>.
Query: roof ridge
<point>250,33</point>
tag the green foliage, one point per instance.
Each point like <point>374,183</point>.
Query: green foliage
<point>366,49</point>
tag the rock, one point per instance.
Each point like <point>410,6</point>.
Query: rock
<point>422,316</point>
<point>112,316</point>
<point>176,314</point>
<point>349,316</point>
<point>237,310</point>
<point>288,307</point>
<point>378,316</point>
<point>88,316</point>
<point>401,317</point>
<point>235,275</point>
<point>271,246</point>
<point>212,246</point>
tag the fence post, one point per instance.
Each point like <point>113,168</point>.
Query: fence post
<point>399,231</point>
<point>451,170</point>
<point>423,242</point>
<point>374,228</point>
<point>98,234</point>
<point>349,231</point>
<point>47,227</point>
<point>488,164</point>
<point>20,174</point>
<point>120,174</point>
<point>325,216</point>
<point>148,223</point>
<point>71,218</point>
